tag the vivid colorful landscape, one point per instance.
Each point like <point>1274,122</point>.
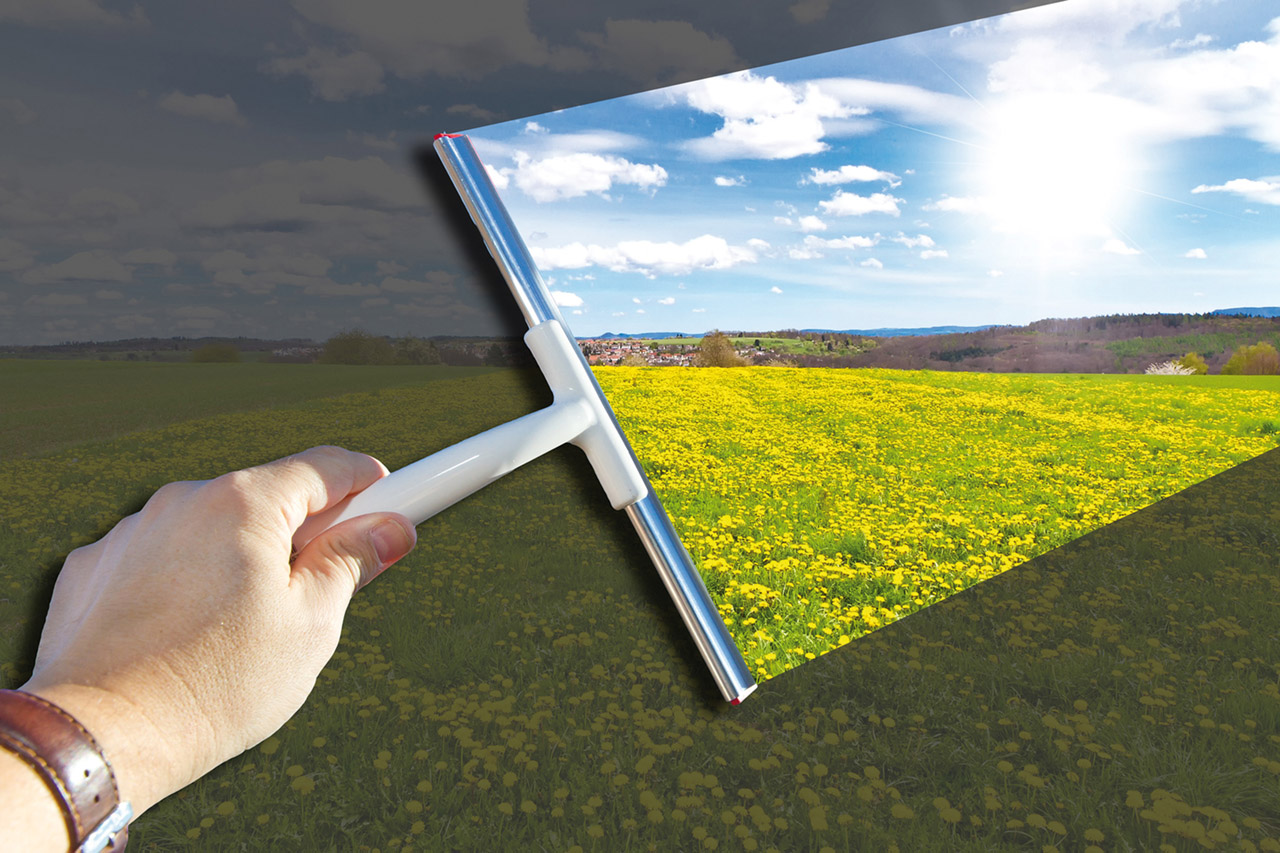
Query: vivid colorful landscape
<point>520,682</point>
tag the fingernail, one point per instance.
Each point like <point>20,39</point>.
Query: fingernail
<point>391,541</point>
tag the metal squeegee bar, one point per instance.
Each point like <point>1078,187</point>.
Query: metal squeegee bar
<point>650,519</point>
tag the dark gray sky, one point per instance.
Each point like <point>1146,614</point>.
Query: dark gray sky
<point>247,168</point>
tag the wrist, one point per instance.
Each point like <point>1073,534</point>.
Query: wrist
<point>68,760</point>
<point>32,814</point>
<point>139,755</point>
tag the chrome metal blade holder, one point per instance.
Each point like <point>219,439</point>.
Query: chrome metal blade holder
<point>578,415</point>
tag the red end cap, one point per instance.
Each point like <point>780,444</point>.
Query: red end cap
<point>449,135</point>
<point>735,701</point>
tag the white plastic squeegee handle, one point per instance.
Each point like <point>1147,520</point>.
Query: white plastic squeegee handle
<point>576,416</point>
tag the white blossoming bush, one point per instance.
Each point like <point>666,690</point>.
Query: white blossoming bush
<point>1169,368</point>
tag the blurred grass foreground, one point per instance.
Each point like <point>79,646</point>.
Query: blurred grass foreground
<point>521,681</point>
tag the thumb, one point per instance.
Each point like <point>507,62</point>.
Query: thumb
<point>351,554</point>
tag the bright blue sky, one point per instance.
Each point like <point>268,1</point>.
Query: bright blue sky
<point>1090,157</point>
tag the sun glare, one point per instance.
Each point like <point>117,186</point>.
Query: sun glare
<point>1055,168</point>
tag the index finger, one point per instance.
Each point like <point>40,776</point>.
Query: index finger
<point>315,479</point>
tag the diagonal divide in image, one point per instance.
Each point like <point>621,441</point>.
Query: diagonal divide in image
<point>928,211</point>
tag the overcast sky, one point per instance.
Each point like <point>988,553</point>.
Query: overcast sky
<point>1090,157</point>
<point>244,168</point>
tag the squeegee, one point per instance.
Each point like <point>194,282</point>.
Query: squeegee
<point>578,415</point>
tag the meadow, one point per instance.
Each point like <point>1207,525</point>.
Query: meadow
<point>520,682</point>
<point>823,504</point>
<point>52,404</point>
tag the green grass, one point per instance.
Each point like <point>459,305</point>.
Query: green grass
<point>521,682</point>
<point>53,404</point>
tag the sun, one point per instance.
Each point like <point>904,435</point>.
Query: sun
<point>1055,167</point>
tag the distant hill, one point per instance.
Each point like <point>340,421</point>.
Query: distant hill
<point>1250,312</point>
<point>898,333</point>
<point>1121,343</point>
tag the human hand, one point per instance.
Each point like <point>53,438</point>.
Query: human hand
<point>186,636</point>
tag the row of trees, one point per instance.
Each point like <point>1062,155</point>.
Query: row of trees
<point>361,347</point>
<point>1261,359</point>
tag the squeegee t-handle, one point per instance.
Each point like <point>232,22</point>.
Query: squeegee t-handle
<point>579,415</point>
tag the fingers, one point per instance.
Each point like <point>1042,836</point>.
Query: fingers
<point>313,480</point>
<point>349,555</point>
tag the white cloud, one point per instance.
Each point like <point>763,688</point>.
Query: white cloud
<point>565,299</point>
<point>637,300</point>
<point>782,220</point>
<point>995,273</point>
<point>640,311</point>
<point>1086,21</point>
<point>918,241</point>
<point>1200,40</point>
<point>572,175</point>
<point>874,263</point>
<point>852,204</point>
<point>910,102</point>
<point>850,174</point>
<point>649,258</point>
<point>813,243</point>
<point>1197,254</point>
<point>726,181</point>
<point>222,109</point>
<point>533,127</point>
<point>763,118</point>
<point>812,223</point>
<point>500,179</point>
<point>960,204</point>
<point>667,300</point>
<point>334,76</point>
<point>1265,190</point>
<point>94,265</point>
<point>698,311</point>
<point>775,289</point>
<point>928,254</point>
<point>1119,247</point>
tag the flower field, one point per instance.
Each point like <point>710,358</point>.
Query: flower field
<point>823,504</point>
<point>519,682</point>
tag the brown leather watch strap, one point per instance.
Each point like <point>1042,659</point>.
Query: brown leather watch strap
<point>68,759</point>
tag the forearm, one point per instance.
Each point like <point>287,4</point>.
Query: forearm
<point>31,819</point>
